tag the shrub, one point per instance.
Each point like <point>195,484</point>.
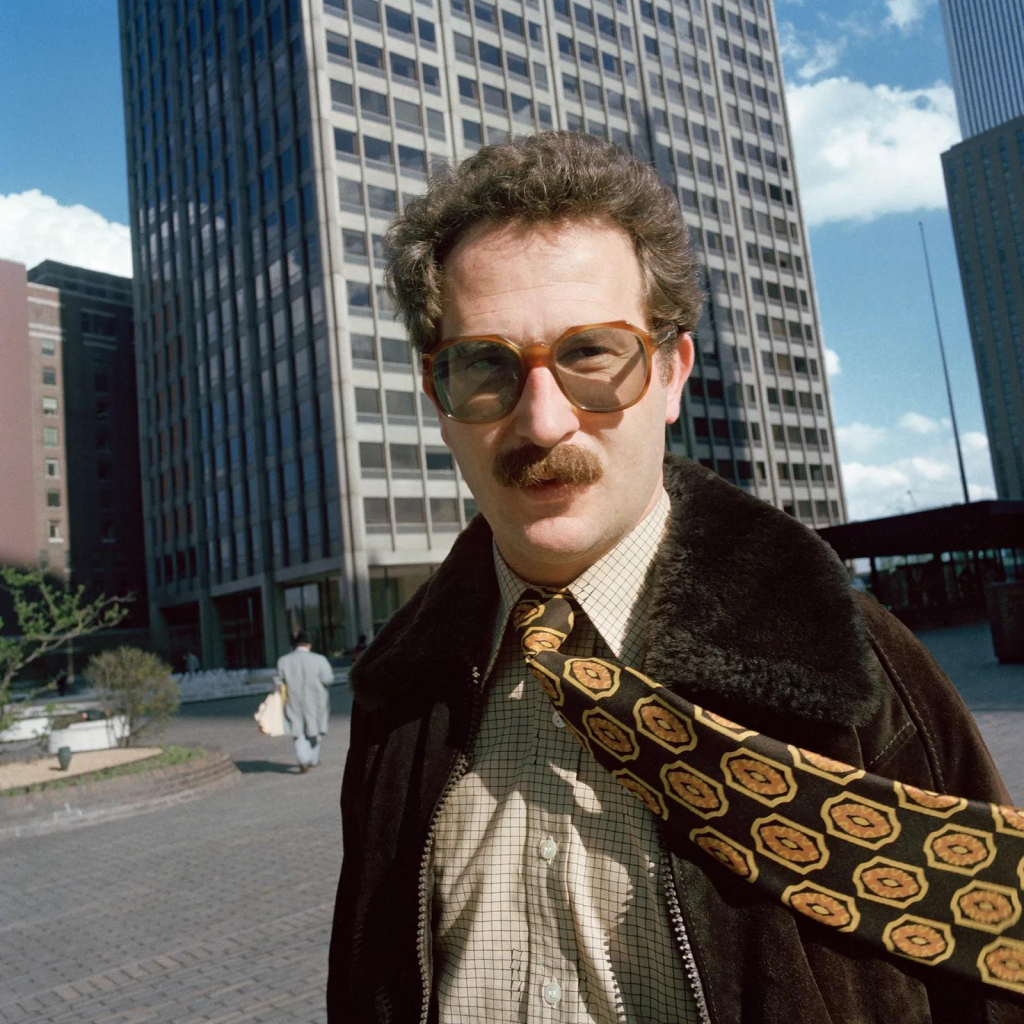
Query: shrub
<point>136,684</point>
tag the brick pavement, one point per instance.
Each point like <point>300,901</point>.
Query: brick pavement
<point>218,911</point>
<point>212,912</point>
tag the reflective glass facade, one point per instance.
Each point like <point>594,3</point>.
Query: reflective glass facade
<point>985,185</point>
<point>985,39</point>
<point>271,142</point>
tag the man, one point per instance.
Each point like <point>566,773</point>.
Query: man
<point>494,868</point>
<point>307,706</point>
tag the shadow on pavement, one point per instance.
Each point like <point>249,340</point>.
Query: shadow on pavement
<point>255,767</point>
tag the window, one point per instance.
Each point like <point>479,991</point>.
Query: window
<point>439,461</point>
<point>354,244</point>
<point>401,405</point>
<point>53,499</point>
<point>56,536</point>
<point>444,513</point>
<point>346,142</point>
<point>367,404</point>
<point>50,406</point>
<point>377,151</point>
<point>408,114</point>
<point>49,376</point>
<point>371,458</point>
<point>376,512</point>
<point>52,468</point>
<point>358,295</point>
<point>48,347</point>
<point>341,93</point>
<point>373,104</point>
<point>398,21</point>
<point>410,510</point>
<point>405,459</point>
<point>369,56</point>
<point>50,438</point>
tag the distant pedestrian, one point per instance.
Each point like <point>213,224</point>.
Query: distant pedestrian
<point>306,706</point>
<point>359,647</point>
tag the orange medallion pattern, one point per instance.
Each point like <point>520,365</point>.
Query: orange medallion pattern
<point>851,851</point>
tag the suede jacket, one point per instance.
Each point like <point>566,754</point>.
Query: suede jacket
<point>752,616</point>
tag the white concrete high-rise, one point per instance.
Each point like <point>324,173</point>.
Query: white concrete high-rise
<point>293,474</point>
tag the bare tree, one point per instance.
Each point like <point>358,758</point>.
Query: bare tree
<point>49,617</point>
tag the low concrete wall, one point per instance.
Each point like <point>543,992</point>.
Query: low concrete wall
<point>91,802</point>
<point>101,734</point>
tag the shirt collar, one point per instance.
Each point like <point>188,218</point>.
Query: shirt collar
<point>608,591</point>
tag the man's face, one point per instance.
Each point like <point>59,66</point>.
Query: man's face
<point>529,285</point>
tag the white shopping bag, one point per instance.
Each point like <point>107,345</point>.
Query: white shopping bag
<point>270,715</point>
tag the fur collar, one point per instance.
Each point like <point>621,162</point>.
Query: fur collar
<point>751,611</point>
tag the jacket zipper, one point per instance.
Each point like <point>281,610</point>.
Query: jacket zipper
<point>459,769</point>
<point>675,913</point>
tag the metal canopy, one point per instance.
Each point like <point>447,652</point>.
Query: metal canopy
<point>979,526</point>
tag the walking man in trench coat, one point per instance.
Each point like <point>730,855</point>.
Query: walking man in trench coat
<point>307,706</point>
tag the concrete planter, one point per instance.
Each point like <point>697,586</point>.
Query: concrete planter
<point>101,734</point>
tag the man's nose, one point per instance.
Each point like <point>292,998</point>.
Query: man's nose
<point>544,416</point>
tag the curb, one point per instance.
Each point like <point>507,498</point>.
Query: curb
<point>35,814</point>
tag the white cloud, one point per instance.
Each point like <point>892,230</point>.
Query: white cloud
<point>832,365</point>
<point>863,152</point>
<point>912,480</point>
<point>859,438</point>
<point>35,227</point>
<point>904,14</point>
<point>923,424</point>
<point>811,58</point>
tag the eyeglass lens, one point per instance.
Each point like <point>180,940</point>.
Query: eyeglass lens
<point>601,370</point>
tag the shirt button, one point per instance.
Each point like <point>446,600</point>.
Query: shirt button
<point>558,720</point>
<point>548,849</point>
<point>552,993</point>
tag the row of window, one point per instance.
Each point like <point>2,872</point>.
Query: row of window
<point>800,473</point>
<point>784,363</point>
<point>821,510</point>
<point>373,105</point>
<point>813,437</point>
<point>444,512</point>
<point>742,431</point>
<point>405,459</point>
<point>398,22</point>
<point>378,151</point>
<point>486,14</point>
<point>776,327</point>
<point>772,291</point>
<point>372,58</point>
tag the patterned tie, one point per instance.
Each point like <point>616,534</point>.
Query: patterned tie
<point>933,878</point>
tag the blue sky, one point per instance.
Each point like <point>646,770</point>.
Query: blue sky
<point>871,109</point>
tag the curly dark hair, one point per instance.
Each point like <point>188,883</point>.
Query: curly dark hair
<point>546,178</point>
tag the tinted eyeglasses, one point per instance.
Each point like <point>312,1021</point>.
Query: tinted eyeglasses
<point>599,367</point>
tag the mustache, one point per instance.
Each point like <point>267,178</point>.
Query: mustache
<point>530,464</point>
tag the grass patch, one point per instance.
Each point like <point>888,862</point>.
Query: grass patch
<point>167,757</point>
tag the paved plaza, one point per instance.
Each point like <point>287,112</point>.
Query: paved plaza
<point>218,911</point>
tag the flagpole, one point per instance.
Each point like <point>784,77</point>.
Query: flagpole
<point>945,368</point>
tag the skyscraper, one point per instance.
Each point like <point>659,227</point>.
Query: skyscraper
<point>985,187</point>
<point>985,39</point>
<point>71,466</point>
<point>293,473</point>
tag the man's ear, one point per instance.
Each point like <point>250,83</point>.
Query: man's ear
<point>680,366</point>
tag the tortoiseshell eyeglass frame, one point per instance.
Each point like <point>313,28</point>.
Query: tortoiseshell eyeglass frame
<point>544,355</point>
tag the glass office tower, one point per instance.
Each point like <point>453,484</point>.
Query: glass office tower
<point>985,187</point>
<point>985,39</point>
<point>293,473</point>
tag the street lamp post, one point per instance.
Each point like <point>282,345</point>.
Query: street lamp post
<point>945,368</point>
